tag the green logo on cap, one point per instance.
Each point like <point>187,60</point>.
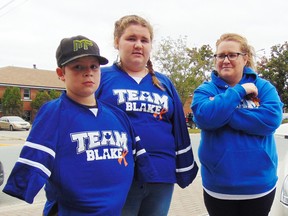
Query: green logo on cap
<point>79,44</point>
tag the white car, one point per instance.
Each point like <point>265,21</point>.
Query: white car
<point>280,205</point>
<point>13,123</point>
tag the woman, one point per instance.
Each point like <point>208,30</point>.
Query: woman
<point>153,105</point>
<point>238,113</point>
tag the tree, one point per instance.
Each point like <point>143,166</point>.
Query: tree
<point>275,69</point>
<point>202,60</point>
<point>54,94</point>
<point>185,67</point>
<point>41,98</point>
<point>11,102</point>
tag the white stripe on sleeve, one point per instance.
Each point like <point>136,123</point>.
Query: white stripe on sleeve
<point>40,147</point>
<point>35,164</point>
<point>183,150</point>
<point>185,169</point>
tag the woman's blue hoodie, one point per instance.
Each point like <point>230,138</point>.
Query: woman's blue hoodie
<point>237,149</point>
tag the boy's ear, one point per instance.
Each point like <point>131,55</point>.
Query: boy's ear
<point>60,73</point>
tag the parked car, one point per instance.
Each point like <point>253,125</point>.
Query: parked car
<point>13,123</point>
<point>280,205</point>
<point>189,121</point>
<point>1,174</point>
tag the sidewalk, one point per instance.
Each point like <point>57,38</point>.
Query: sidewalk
<point>188,201</point>
<point>185,202</point>
<point>23,209</point>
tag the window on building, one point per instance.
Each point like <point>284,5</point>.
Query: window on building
<point>26,93</point>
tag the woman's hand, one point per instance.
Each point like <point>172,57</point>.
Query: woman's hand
<point>250,89</point>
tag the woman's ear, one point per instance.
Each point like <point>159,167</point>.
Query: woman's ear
<point>60,73</point>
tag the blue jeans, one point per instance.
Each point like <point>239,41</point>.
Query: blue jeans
<point>151,199</point>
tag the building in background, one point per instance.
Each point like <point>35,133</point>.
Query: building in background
<point>30,81</point>
<point>187,105</point>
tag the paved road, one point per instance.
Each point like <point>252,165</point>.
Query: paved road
<point>185,202</point>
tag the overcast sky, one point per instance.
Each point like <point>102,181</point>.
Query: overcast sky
<point>30,30</point>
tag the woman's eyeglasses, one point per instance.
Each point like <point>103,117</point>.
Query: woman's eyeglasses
<point>230,56</point>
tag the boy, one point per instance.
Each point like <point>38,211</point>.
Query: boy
<point>79,147</point>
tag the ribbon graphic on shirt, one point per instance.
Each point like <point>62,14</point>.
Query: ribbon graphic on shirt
<point>124,153</point>
<point>162,112</point>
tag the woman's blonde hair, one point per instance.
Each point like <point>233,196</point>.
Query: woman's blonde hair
<point>120,27</point>
<point>244,46</point>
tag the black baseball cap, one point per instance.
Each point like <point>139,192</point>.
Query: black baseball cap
<point>77,47</point>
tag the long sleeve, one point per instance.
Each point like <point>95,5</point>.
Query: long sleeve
<point>35,162</point>
<point>186,166</point>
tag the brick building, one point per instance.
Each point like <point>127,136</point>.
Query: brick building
<point>187,105</point>
<point>30,81</point>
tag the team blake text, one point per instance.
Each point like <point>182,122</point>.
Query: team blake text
<point>101,145</point>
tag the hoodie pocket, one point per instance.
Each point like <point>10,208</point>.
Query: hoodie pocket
<point>242,168</point>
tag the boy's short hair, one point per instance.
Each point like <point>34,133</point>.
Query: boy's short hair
<point>77,47</point>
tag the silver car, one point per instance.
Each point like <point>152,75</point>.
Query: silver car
<point>280,205</point>
<point>13,123</point>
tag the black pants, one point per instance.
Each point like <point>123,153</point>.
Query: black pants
<point>251,207</point>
